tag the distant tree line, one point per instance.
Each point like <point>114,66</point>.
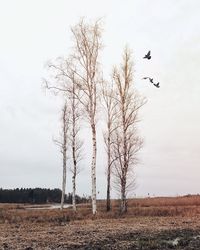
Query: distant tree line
<point>36,196</point>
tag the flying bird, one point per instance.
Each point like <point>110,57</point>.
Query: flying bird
<point>157,85</point>
<point>150,79</point>
<point>148,55</point>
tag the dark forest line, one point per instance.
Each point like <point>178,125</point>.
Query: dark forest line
<point>36,196</point>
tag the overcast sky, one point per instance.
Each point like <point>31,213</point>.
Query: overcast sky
<point>34,31</point>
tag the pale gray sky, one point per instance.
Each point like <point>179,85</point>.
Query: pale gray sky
<point>34,31</point>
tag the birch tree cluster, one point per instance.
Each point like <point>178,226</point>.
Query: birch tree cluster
<point>79,80</point>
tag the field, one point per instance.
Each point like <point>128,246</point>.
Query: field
<point>151,223</point>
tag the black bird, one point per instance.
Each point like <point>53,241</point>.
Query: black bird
<point>157,85</point>
<point>148,55</point>
<point>150,79</point>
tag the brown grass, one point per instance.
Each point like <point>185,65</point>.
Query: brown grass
<point>178,206</point>
<point>189,200</point>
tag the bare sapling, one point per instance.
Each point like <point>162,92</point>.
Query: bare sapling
<point>110,110</point>
<point>62,142</point>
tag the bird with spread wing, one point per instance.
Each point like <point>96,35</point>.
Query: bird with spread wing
<point>148,55</point>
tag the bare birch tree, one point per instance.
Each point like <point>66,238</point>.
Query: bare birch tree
<point>86,69</point>
<point>126,140</point>
<point>62,143</point>
<point>83,67</point>
<point>64,81</point>
<point>75,142</point>
<point>110,108</point>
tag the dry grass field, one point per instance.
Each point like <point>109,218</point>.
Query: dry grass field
<point>150,223</point>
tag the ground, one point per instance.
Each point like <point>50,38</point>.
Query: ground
<point>132,233</point>
<point>20,229</point>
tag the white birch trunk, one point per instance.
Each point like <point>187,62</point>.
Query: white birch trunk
<point>93,169</point>
<point>74,173</point>
<point>64,152</point>
<point>108,205</point>
<point>63,181</point>
<point>74,193</point>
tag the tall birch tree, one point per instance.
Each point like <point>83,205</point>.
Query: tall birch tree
<point>83,68</point>
<point>127,142</point>
<point>87,46</point>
